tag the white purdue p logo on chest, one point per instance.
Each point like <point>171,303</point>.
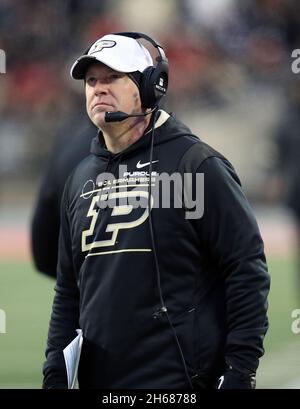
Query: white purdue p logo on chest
<point>114,226</point>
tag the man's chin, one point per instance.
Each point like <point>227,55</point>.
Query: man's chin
<point>99,119</point>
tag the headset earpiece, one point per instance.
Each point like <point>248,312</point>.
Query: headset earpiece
<point>146,91</point>
<point>154,80</point>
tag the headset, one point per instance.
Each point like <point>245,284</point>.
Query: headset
<point>154,80</point>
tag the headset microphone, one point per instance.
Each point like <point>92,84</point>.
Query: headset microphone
<point>119,116</point>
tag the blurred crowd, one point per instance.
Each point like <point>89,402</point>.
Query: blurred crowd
<point>218,50</point>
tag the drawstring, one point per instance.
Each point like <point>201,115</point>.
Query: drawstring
<point>163,309</point>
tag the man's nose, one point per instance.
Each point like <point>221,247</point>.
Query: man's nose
<point>100,87</point>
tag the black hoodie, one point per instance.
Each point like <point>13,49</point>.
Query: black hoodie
<point>213,272</point>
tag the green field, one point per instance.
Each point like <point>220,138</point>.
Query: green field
<point>26,298</point>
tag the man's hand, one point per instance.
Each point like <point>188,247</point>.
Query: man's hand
<point>234,379</point>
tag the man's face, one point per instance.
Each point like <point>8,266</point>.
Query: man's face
<point>109,90</point>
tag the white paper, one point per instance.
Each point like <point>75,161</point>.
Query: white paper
<point>72,355</point>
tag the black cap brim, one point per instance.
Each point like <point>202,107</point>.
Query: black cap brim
<point>80,66</point>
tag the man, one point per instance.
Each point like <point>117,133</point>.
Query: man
<point>68,151</point>
<point>286,171</point>
<point>163,300</point>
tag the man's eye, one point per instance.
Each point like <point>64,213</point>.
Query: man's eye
<point>115,76</point>
<point>91,80</point>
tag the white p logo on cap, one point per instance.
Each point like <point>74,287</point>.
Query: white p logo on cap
<point>99,45</point>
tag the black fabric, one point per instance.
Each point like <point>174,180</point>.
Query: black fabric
<point>213,271</point>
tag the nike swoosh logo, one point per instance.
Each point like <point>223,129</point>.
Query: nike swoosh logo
<point>221,380</point>
<point>140,165</point>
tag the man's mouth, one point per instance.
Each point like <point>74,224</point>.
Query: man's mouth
<point>101,105</point>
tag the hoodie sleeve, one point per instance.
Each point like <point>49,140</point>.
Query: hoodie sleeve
<point>65,311</point>
<point>230,233</point>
